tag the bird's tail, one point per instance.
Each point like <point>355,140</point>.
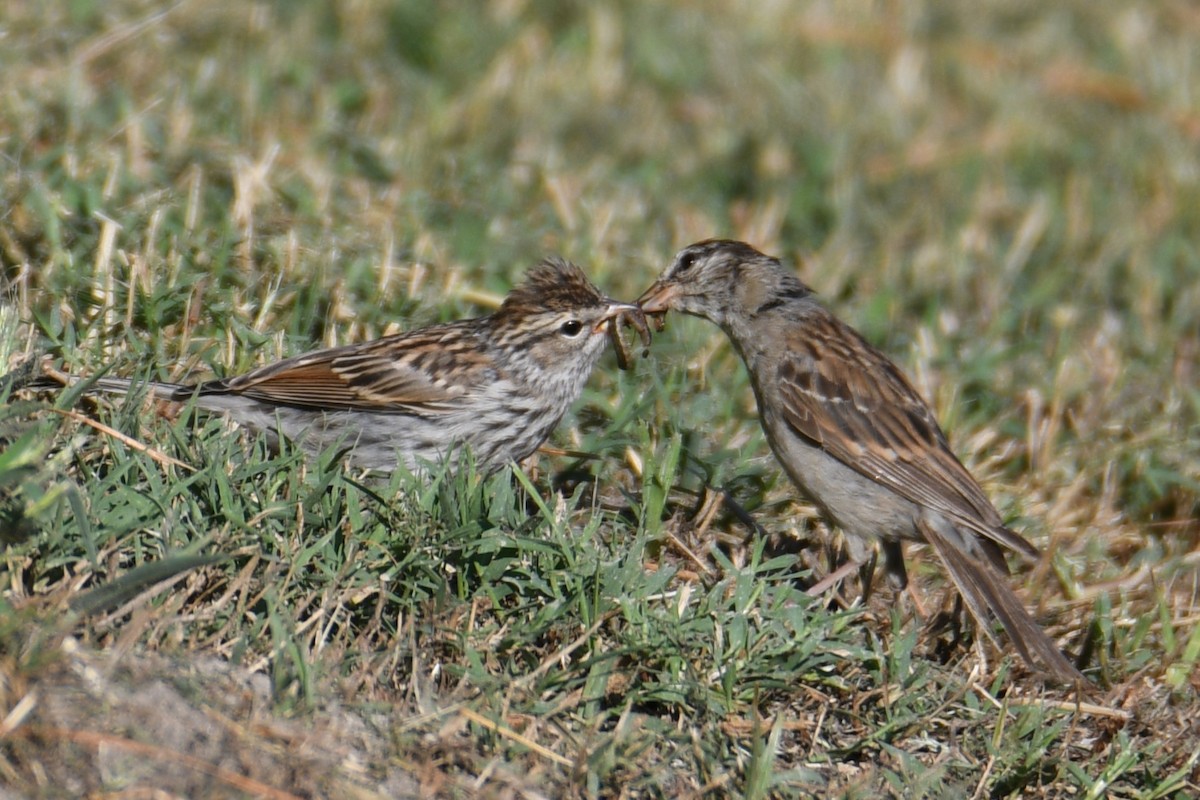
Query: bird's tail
<point>177,392</point>
<point>988,596</point>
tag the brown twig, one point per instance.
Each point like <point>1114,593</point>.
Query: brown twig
<point>160,457</point>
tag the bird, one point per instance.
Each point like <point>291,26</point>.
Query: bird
<point>853,434</point>
<point>495,385</point>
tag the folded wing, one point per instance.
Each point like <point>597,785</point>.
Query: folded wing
<point>882,428</point>
<point>413,373</point>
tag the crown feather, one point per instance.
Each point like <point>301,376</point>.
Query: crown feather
<point>553,285</point>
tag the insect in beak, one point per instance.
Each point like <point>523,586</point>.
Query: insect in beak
<point>623,314</point>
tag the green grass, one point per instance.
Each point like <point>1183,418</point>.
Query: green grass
<point>1002,197</point>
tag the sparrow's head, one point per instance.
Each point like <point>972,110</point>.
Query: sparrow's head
<point>557,318</point>
<point>722,280</point>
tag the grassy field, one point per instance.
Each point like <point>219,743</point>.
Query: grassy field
<point>1003,196</point>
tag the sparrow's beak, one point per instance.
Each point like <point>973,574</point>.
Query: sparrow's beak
<point>616,317</point>
<point>615,309</point>
<point>659,298</point>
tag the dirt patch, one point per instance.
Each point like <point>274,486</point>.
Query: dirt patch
<point>144,725</point>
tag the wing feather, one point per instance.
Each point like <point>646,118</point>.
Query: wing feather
<point>880,427</point>
<point>422,372</point>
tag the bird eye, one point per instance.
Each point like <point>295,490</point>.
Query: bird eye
<point>571,328</point>
<point>686,261</point>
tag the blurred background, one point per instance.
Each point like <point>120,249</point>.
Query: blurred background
<point>1005,189</point>
<point>1003,195</point>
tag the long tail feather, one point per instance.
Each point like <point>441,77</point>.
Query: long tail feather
<point>988,596</point>
<point>163,391</point>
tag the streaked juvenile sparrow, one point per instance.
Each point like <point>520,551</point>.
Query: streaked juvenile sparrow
<point>497,384</point>
<point>853,434</point>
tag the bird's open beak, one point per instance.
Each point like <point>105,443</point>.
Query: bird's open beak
<point>616,317</point>
<point>615,309</point>
<point>659,298</point>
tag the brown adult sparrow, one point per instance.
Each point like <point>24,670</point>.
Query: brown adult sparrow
<point>853,434</point>
<point>497,385</point>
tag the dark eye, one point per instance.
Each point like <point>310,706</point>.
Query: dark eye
<point>571,328</point>
<point>685,262</point>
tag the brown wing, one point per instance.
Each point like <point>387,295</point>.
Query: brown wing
<point>427,371</point>
<point>848,398</point>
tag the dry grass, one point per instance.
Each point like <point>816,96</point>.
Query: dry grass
<point>1002,196</point>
